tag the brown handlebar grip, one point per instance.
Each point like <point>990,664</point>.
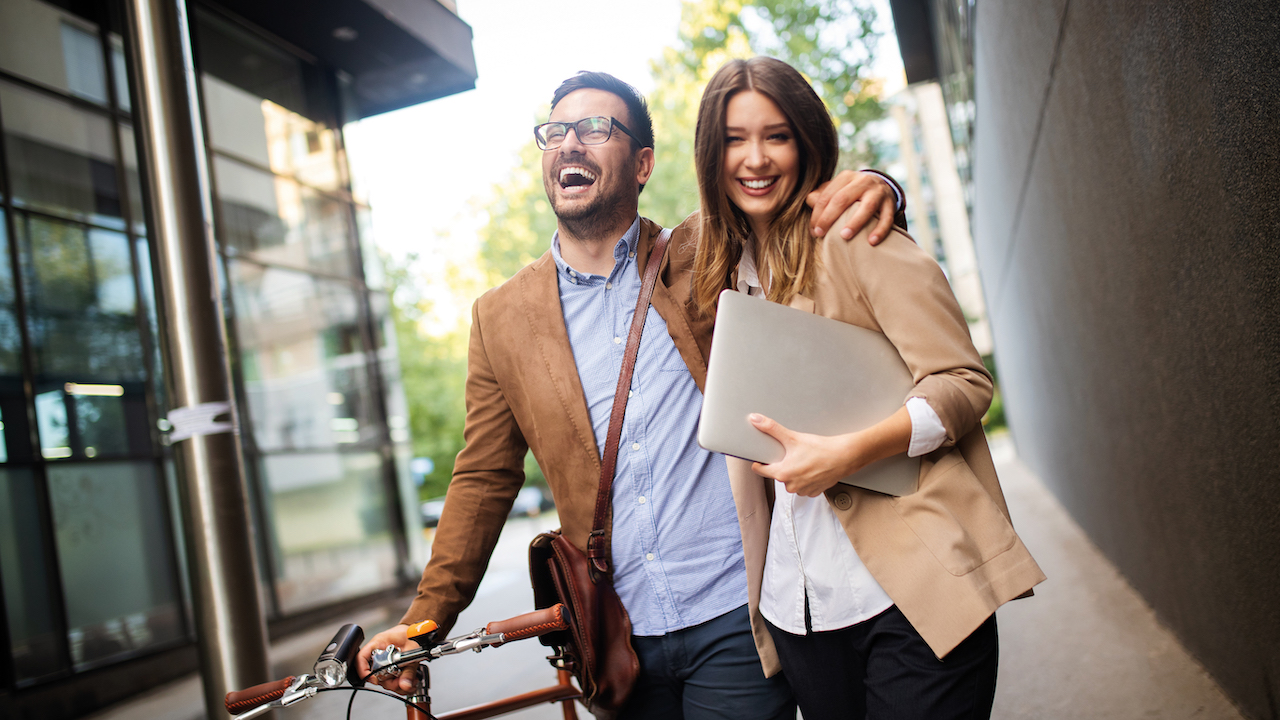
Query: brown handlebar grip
<point>538,622</point>
<point>241,701</point>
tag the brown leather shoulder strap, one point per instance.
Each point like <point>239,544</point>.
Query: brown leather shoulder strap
<point>597,547</point>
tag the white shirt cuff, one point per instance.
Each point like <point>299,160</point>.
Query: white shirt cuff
<point>927,433</point>
<point>897,196</point>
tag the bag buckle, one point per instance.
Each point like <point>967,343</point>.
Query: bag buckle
<point>596,554</point>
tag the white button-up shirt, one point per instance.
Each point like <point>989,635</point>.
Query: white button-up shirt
<point>809,552</point>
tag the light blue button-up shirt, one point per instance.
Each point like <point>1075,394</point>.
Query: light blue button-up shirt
<point>677,550</point>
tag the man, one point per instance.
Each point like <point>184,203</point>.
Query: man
<point>543,362</point>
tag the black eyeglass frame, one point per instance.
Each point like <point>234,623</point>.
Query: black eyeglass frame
<point>613,122</point>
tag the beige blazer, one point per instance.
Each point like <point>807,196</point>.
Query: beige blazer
<point>947,555</point>
<point>523,393</point>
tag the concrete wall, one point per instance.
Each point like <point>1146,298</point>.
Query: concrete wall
<point>1127,221</point>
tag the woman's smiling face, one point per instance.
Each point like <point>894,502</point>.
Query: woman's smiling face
<point>761,158</point>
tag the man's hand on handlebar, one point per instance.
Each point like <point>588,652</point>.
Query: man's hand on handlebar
<point>399,637</point>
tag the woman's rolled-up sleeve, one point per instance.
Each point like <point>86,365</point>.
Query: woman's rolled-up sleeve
<point>907,296</point>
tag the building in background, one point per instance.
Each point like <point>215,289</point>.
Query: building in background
<point>938,204</point>
<point>1126,175</point>
<point>94,601</point>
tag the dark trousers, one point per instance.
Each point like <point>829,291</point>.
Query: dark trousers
<point>707,672</point>
<point>881,669</point>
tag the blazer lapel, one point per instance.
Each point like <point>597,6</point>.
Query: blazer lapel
<point>541,295</point>
<point>671,310</point>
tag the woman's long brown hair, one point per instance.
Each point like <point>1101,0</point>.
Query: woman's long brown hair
<point>787,257</point>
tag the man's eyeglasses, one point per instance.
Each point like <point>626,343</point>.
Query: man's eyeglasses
<point>591,131</point>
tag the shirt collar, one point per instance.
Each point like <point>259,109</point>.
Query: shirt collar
<point>748,276</point>
<point>624,249</point>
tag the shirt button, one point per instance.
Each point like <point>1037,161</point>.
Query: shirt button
<point>630,393</point>
<point>642,500</point>
<point>648,556</point>
<point>573,274</point>
<point>631,254</point>
<point>617,341</point>
<point>842,501</point>
<point>635,446</point>
<point>608,286</point>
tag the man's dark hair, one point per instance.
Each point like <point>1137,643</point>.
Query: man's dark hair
<point>638,121</point>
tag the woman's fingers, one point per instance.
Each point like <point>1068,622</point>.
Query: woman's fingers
<point>770,427</point>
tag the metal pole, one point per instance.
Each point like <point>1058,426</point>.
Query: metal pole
<point>224,585</point>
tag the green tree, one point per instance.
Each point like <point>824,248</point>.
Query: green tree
<point>434,373</point>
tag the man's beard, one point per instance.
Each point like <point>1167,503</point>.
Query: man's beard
<point>589,220</point>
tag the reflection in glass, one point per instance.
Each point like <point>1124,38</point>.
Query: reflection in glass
<point>82,323</point>
<point>275,220</point>
<point>81,301</point>
<point>52,47</point>
<point>133,182</point>
<point>120,71</point>
<point>375,273</point>
<point>82,54</point>
<point>61,159</point>
<point>10,333</point>
<point>24,564</point>
<point>302,359</point>
<point>115,559</point>
<point>51,420</point>
<point>265,134</point>
<point>330,523</point>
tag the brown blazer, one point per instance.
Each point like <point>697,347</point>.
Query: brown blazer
<point>947,555</point>
<point>523,393</point>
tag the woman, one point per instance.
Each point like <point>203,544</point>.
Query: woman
<point>874,606</point>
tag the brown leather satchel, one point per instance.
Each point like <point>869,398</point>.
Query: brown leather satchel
<point>597,646</point>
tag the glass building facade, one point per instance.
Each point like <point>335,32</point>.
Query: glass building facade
<point>91,561</point>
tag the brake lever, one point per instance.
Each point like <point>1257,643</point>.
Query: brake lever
<point>302,688</point>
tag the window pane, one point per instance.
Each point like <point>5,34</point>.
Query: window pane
<point>260,69</point>
<point>24,564</point>
<point>375,273</point>
<point>15,442</point>
<point>82,323</point>
<point>302,359</point>
<point>10,333</point>
<point>330,527</point>
<point>115,558</point>
<point>53,47</point>
<point>266,134</point>
<point>132,179</point>
<point>121,72</point>
<point>274,220</point>
<point>61,159</point>
<point>81,301</point>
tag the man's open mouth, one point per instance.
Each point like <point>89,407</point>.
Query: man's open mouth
<point>576,176</point>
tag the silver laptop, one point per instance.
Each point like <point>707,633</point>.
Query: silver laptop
<point>810,373</point>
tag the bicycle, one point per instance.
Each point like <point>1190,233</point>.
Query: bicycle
<point>336,667</point>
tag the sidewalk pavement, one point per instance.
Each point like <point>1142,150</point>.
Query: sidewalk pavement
<point>1085,647</point>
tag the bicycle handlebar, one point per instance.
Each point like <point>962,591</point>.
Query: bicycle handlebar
<point>389,661</point>
<point>298,687</point>
<point>241,701</point>
<point>538,622</point>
